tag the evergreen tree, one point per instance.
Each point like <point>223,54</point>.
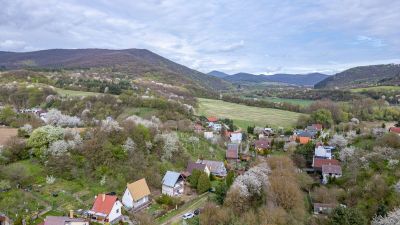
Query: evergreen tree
<point>203,183</point>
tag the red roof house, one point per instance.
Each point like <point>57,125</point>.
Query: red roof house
<point>106,208</point>
<point>395,130</point>
<point>317,126</point>
<point>262,144</point>
<point>318,162</point>
<point>212,119</point>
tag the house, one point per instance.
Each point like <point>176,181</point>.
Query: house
<point>303,140</point>
<point>212,119</point>
<point>322,208</point>
<point>323,152</point>
<point>315,126</point>
<point>395,130</point>
<point>217,168</point>
<point>173,184</point>
<point>4,220</point>
<point>318,162</point>
<point>106,208</point>
<point>330,171</point>
<point>208,135</point>
<point>268,131</point>
<point>196,166</point>
<point>137,195</point>
<point>236,137</point>
<point>309,134</point>
<point>262,144</point>
<point>64,220</point>
<point>216,127</point>
<point>232,151</point>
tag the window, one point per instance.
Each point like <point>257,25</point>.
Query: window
<point>117,211</point>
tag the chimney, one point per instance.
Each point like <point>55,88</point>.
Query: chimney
<point>103,197</point>
<point>71,214</point>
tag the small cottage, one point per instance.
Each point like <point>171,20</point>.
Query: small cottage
<point>196,166</point>
<point>137,195</point>
<point>262,144</point>
<point>323,152</point>
<point>330,171</point>
<point>173,184</point>
<point>319,162</point>
<point>232,151</point>
<point>217,168</point>
<point>106,208</point>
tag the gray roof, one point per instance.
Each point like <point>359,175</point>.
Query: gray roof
<point>170,178</point>
<point>61,220</point>
<point>216,167</point>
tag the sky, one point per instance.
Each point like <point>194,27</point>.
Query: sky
<point>254,36</point>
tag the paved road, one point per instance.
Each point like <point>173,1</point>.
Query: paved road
<point>189,208</point>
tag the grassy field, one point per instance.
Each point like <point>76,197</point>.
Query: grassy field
<point>70,93</point>
<point>244,116</point>
<point>377,88</point>
<point>302,102</point>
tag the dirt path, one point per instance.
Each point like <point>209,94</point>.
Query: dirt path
<point>186,208</point>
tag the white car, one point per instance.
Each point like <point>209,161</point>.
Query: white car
<point>187,216</point>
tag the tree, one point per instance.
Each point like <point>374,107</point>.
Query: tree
<point>250,129</point>
<point>322,116</point>
<point>392,218</point>
<point>42,137</point>
<point>230,178</point>
<point>194,177</point>
<point>338,141</point>
<point>203,183</point>
<point>220,193</point>
<point>347,216</point>
<point>7,115</point>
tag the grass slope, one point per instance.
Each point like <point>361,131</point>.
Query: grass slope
<point>244,116</point>
<point>71,93</point>
<point>301,102</point>
<point>377,88</point>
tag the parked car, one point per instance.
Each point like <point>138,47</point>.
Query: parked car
<point>187,216</point>
<point>196,212</point>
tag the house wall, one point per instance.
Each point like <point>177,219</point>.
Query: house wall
<point>115,211</point>
<point>78,223</point>
<point>127,199</point>
<point>167,190</point>
<point>207,171</point>
<point>140,202</point>
<point>325,177</point>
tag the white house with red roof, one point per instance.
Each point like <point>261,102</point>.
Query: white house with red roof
<point>106,208</point>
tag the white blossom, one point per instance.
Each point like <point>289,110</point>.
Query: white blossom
<point>346,153</point>
<point>58,148</point>
<point>393,218</point>
<point>392,163</point>
<point>110,125</point>
<point>193,140</point>
<point>129,145</point>
<point>55,117</point>
<point>171,144</point>
<point>27,128</point>
<point>338,140</point>
<point>103,180</point>
<point>154,122</point>
<point>252,181</point>
<point>50,179</point>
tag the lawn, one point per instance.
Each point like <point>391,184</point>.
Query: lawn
<point>202,148</point>
<point>139,111</point>
<point>71,93</point>
<point>377,88</point>
<point>301,102</point>
<point>244,116</point>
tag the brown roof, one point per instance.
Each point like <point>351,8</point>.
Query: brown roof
<point>138,189</point>
<point>334,169</point>
<point>262,143</point>
<point>194,166</point>
<point>318,162</point>
<point>233,151</point>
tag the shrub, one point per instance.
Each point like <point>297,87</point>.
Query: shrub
<point>203,183</point>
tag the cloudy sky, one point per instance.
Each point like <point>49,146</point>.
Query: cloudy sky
<point>254,36</point>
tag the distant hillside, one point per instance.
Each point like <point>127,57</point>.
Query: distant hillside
<point>363,76</point>
<point>218,74</point>
<point>299,79</point>
<point>137,63</point>
<point>291,79</point>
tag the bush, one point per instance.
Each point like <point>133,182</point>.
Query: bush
<point>347,216</point>
<point>203,183</point>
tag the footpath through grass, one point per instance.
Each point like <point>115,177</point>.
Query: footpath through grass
<point>244,116</point>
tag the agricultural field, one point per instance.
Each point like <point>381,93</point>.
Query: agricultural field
<point>71,93</point>
<point>301,102</point>
<point>244,116</point>
<point>6,133</point>
<point>377,88</point>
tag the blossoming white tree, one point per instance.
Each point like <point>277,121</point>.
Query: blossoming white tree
<point>393,218</point>
<point>129,145</point>
<point>338,140</point>
<point>55,117</point>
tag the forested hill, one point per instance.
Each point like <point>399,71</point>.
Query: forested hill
<point>137,63</point>
<point>363,76</point>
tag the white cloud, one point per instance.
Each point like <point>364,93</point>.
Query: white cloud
<point>12,45</point>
